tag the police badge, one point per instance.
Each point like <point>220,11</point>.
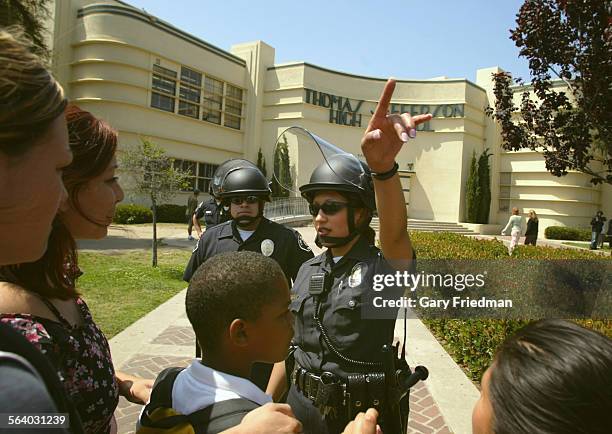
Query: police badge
<point>267,247</point>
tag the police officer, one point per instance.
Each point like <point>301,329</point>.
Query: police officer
<point>339,361</point>
<point>245,189</point>
<point>213,211</point>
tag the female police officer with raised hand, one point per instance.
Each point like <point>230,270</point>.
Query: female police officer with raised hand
<point>338,360</point>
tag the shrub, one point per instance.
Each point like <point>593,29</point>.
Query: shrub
<point>169,213</point>
<point>473,342</point>
<point>563,233</point>
<point>132,214</point>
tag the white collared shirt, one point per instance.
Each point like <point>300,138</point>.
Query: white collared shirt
<point>199,386</point>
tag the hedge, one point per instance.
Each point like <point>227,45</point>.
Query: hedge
<point>169,213</point>
<point>132,214</point>
<point>472,342</point>
<point>563,233</point>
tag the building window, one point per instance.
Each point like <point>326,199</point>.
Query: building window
<point>199,96</point>
<point>164,88</point>
<point>504,204</point>
<point>505,178</point>
<point>189,93</point>
<point>233,107</point>
<point>213,100</point>
<point>200,174</point>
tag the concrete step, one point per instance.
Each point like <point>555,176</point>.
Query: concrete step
<point>431,226</point>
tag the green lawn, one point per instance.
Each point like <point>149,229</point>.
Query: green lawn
<point>119,288</point>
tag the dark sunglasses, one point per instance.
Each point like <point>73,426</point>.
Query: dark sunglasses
<point>247,199</point>
<point>328,208</point>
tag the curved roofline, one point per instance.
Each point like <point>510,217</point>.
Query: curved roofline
<point>134,13</point>
<point>346,74</point>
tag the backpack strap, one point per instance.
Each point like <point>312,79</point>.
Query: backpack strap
<point>161,397</point>
<point>220,416</point>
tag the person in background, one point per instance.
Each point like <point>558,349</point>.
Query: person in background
<point>552,376</point>
<point>597,225</point>
<point>531,234</point>
<point>192,204</point>
<point>514,224</point>
<point>609,234</point>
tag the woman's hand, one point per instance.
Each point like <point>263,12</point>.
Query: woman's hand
<point>134,389</point>
<point>386,134</point>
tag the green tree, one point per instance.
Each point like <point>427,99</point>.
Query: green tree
<point>472,192</point>
<point>261,163</point>
<point>282,171</point>
<point>153,175</point>
<point>567,43</point>
<point>484,184</point>
<point>30,15</point>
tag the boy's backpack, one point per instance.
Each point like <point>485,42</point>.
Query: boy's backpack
<point>158,416</point>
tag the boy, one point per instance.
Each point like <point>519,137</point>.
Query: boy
<point>238,306</point>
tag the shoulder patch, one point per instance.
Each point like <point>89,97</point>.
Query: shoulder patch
<point>303,245</point>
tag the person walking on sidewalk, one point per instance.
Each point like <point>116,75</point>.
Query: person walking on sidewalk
<point>531,234</point>
<point>192,204</point>
<point>514,224</point>
<point>597,225</point>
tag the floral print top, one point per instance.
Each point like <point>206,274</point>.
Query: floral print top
<point>82,357</point>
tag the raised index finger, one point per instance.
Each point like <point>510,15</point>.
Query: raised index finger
<point>385,99</point>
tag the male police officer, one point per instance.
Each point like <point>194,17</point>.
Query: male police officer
<point>246,189</point>
<point>212,210</point>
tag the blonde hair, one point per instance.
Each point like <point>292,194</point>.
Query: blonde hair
<point>31,99</point>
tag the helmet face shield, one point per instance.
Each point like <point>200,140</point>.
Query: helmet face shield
<point>298,154</point>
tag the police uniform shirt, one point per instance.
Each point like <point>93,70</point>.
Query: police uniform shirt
<point>213,214</point>
<point>341,311</point>
<point>281,243</point>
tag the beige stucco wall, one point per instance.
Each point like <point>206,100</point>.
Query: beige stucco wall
<point>104,58</point>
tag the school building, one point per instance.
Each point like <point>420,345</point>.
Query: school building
<point>205,105</point>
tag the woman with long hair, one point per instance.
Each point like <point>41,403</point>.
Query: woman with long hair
<point>45,305</point>
<point>515,222</point>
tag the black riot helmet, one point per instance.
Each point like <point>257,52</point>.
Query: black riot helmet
<point>222,170</point>
<point>351,177</point>
<point>244,181</point>
<point>343,173</point>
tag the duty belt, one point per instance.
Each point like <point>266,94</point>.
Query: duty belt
<point>335,396</point>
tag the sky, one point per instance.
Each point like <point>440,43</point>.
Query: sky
<point>405,39</point>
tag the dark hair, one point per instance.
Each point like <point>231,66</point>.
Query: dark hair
<point>552,376</point>
<point>31,98</point>
<point>93,144</point>
<point>230,286</point>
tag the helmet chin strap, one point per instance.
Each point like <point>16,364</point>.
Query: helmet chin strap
<point>325,241</point>
<point>247,220</point>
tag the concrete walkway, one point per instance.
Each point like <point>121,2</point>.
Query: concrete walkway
<point>163,338</point>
